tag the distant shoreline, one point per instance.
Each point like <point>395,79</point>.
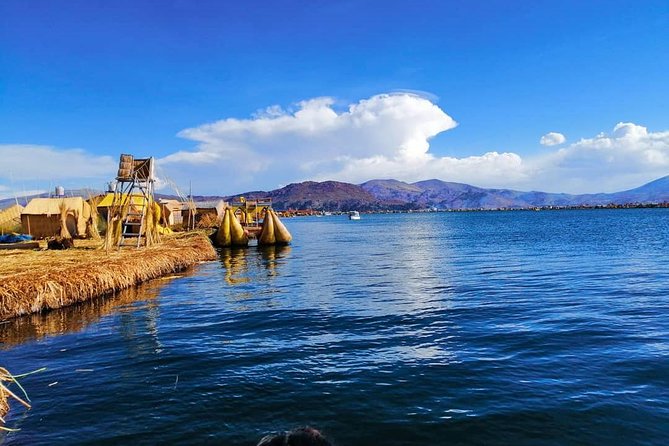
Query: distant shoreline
<point>314,212</point>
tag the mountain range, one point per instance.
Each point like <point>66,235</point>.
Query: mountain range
<point>398,195</point>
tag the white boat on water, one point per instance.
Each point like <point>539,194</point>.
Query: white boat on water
<point>354,215</point>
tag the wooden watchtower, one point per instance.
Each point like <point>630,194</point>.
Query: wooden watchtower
<point>133,200</point>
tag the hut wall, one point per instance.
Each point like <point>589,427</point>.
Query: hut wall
<point>43,226</point>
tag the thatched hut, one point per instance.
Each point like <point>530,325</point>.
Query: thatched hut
<point>204,210</point>
<point>10,218</point>
<point>171,211</point>
<point>42,217</point>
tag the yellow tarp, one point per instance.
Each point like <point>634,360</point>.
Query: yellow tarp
<point>137,200</point>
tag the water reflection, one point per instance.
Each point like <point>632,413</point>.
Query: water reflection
<point>235,265</point>
<point>139,330</point>
<point>272,256</point>
<point>427,273</point>
<point>77,317</point>
<point>235,262</point>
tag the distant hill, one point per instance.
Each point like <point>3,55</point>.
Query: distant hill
<point>446,195</point>
<point>398,195</point>
<point>392,190</point>
<point>328,195</point>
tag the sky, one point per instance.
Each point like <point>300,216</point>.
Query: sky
<point>231,96</point>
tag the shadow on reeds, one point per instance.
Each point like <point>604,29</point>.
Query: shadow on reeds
<point>77,317</point>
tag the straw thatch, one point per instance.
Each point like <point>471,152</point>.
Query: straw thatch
<point>118,209</point>
<point>92,231</point>
<point>152,223</point>
<point>42,217</point>
<point>4,404</point>
<point>267,234</point>
<point>204,213</point>
<point>207,221</point>
<point>230,232</point>
<point>10,218</point>
<point>281,233</point>
<point>64,231</point>
<point>33,281</point>
<point>116,214</point>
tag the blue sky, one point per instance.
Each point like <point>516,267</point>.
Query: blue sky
<point>129,76</point>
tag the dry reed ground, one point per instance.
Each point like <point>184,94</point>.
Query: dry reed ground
<point>33,281</point>
<point>4,405</point>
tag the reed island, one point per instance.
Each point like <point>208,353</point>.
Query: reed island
<point>65,250</point>
<point>61,250</point>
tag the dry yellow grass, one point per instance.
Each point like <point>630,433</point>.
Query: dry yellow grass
<point>33,281</point>
<point>4,405</point>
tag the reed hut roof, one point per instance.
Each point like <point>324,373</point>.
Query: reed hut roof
<point>219,205</point>
<point>173,205</point>
<point>51,206</point>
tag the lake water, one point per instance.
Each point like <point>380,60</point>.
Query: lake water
<point>518,328</point>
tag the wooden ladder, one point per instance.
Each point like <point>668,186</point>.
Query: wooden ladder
<point>130,237</point>
<point>130,223</point>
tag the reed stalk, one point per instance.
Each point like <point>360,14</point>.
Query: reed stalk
<point>115,217</point>
<point>64,232</point>
<point>92,222</point>
<point>6,394</point>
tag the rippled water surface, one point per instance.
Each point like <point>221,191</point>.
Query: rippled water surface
<point>544,327</point>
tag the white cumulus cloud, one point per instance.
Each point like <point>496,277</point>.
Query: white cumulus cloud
<point>388,136</point>
<point>552,139</point>
<point>383,136</point>
<point>626,158</point>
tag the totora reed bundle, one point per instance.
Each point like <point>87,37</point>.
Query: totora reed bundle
<point>4,403</point>
<point>115,217</point>
<point>92,222</point>
<point>151,223</point>
<point>64,232</point>
<point>6,394</point>
<point>64,239</point>
<point>33,281</point>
